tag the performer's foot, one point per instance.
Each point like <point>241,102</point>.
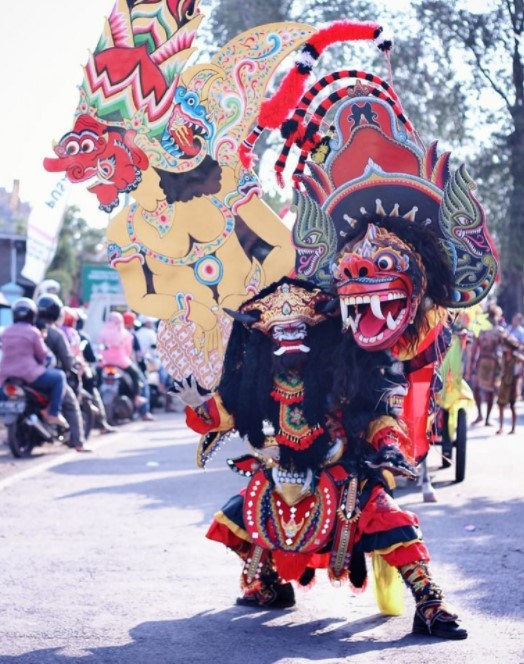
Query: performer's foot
<point>276,596</point>
<point>499,431</point>
<point>436,620</point>
<point>488,423</point>
<point>479,419</point>
<point>512,430</point>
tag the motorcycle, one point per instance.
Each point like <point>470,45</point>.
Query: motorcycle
<point>152,367</point>
<point>116,390</point>
<point>455,401</point>
<point>88,406</point>
<point>21,410</point>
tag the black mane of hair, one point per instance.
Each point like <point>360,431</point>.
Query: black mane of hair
<point>339,378</point>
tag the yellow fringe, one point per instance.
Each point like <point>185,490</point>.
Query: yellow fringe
<point>388,587</point>
<point>232,526</point>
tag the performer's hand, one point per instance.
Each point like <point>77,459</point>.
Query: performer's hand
<point>188,391</point>
<point>389,457</point>
<point>207,341</point>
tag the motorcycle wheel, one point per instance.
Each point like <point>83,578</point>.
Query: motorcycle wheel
<point>154,398</point>
<point>460,446</point>
<point>87,417</point>
<point>20,440</point>
<point>447,443</point>
<point>122,410</point>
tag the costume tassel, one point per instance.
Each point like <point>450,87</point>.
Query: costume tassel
<point>275,110</point>
<point>388,587</point>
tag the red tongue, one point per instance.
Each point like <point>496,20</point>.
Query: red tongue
<point>185,142</point>
<point>370,326</point>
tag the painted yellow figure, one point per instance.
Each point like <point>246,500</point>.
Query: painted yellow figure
<point>197,236</point>
<point>184,261</point>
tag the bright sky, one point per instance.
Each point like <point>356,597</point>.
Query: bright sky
<point>42,50</point>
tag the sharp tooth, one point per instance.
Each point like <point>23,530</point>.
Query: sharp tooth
<point>375,307</point>
<point>380,336</point>
<point>351,300</point>
<point>372,340</point>
<point>353,322</point>
<point>334,450</point>
<point>307,482</point>
<point>358,300</point>
<point>390,321</point>
<point>344,310</point>
<point>365,299</point>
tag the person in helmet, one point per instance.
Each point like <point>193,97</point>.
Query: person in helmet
<point>77,318</point>
<point>45,287</point>
<point>49,313</point>
<point>25,355</point>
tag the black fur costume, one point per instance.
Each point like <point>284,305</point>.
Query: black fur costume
<point>339,378</point>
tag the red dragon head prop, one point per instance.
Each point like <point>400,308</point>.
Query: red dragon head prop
<point>380,281</point>
<point>362,165</point>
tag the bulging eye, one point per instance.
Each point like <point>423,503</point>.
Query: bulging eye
<point>462,220</point>
<point>385,262</point>
<point>72,148</point>
<point>87,145</point>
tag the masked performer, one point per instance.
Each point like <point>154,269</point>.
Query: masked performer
<point>305,398</point>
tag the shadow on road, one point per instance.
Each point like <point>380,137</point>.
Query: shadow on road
<point>235,636</point>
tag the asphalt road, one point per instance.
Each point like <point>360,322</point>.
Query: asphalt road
<point>103,560</point>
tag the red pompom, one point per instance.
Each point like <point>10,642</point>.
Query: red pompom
<point>276,109</point>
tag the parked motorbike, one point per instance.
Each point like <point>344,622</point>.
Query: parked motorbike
<point>116,390</point>
<point>21,410</point>
<point>88,406</point>
<point>152,366</point>
<point>455,400</point>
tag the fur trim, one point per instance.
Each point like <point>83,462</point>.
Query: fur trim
<point>275,110</point>
<point>343,31</point>
<point>247,158</point>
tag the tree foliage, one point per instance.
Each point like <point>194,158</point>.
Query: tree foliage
<point>78,242</point>
<point>487,44</point>
<point>458,69</point>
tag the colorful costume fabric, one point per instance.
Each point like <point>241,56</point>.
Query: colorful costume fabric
<point>330,374</point>
<point>321,444</point>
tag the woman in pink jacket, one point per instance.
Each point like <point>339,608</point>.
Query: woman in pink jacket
<point>117,349</point>
<point>24,354</point>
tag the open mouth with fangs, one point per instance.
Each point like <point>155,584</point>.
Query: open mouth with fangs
<point>188,133</point>
<point>378,319</point>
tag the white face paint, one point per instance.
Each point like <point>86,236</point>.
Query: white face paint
<point>289,337</point>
